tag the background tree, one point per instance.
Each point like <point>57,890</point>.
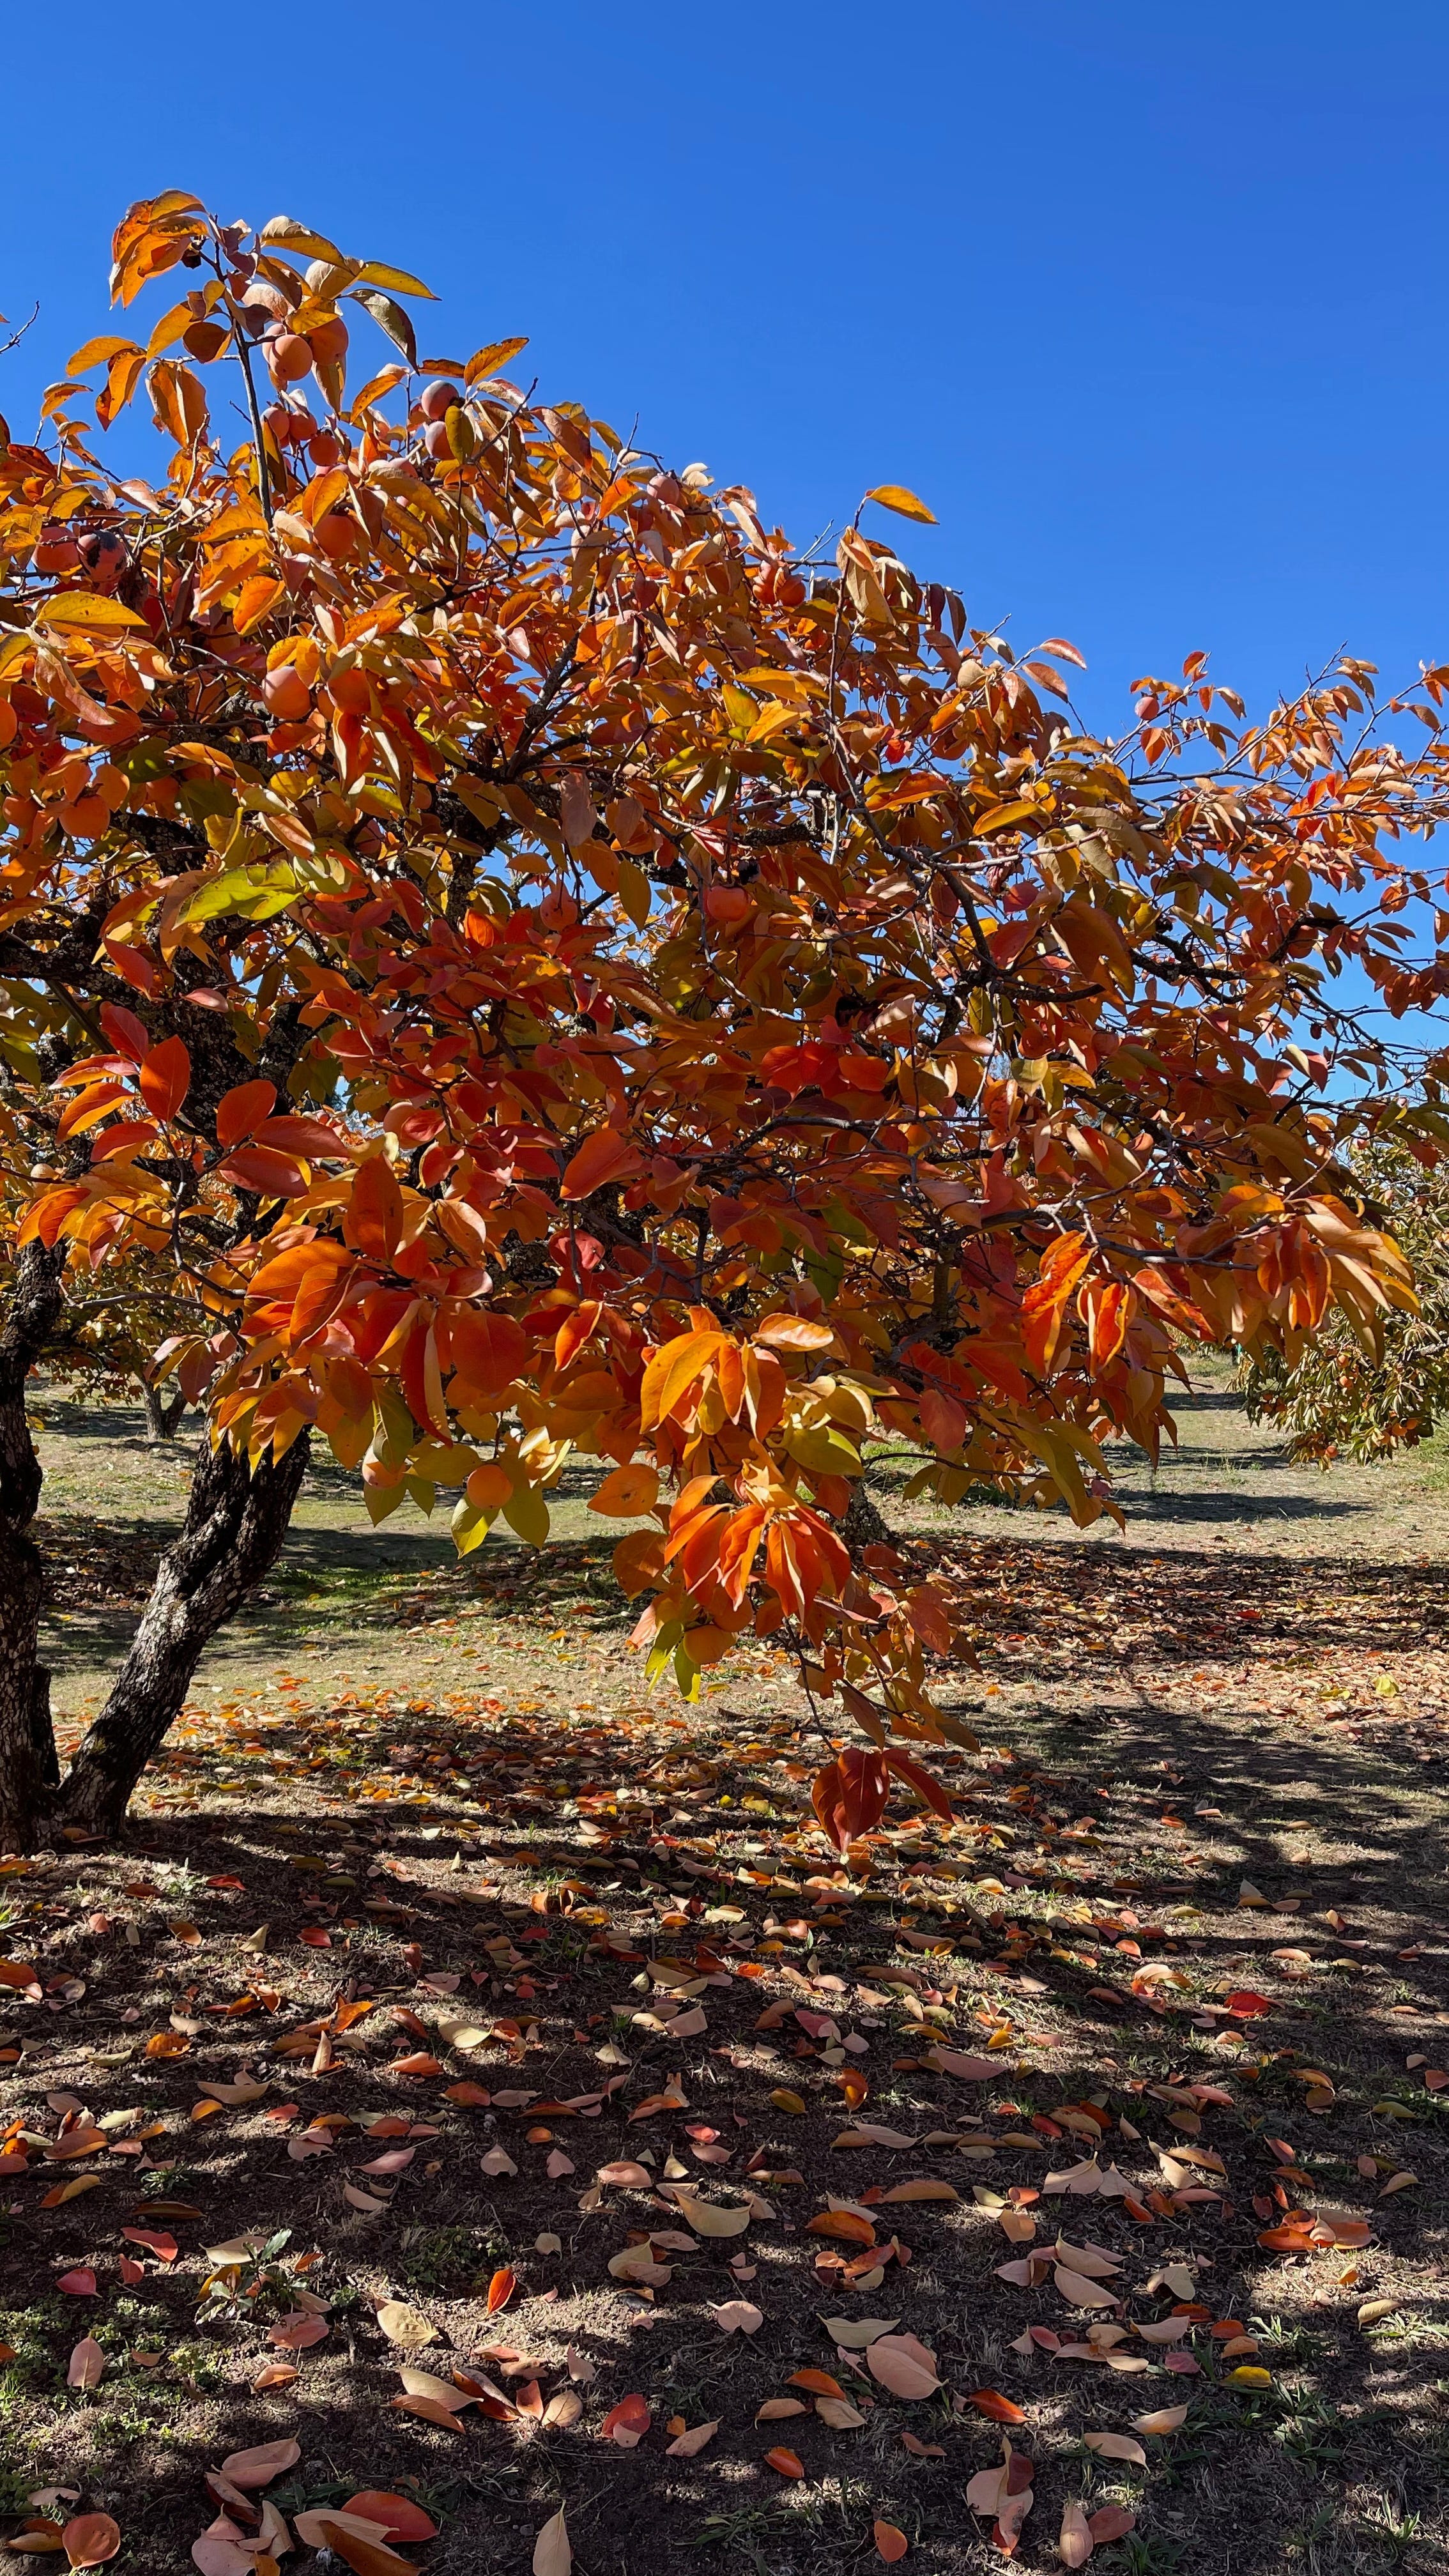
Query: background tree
<point>547,970</point>
<point>1344,1398</point>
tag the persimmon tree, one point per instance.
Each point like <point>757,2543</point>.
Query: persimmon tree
<point>1335,1401</point>
<point>547,971</point>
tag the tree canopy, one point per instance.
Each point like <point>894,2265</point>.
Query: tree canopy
<point>509,960</point>
<point>1337,1401</point>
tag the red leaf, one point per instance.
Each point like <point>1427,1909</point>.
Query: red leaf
<point>241,1109</point>
<point>488,1351</point>
<point>1111,2522</point>
<point>603,1157</point>
<point>165,1078</point>
<point>626,2423</point>
<point>849,1795</point>
<point>260,1168</point>
<point>374,1218</point>
<point>500,2290</point>
<point>400,2519</point>
<point>90,2539</point>
<point>990,2402</point>
<point>163,2245</point>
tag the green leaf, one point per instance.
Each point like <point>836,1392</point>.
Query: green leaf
<point>469,1526</point>
<point>255,892</point>
<point>526,1512</point>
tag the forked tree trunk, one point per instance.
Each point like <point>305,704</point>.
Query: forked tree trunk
<point>163,1419</point>
<point>27,1747</point>
<point>236,1520</point>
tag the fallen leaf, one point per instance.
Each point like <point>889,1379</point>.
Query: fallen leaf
<point>258,2467</point>
<point>406,2326</point>
<point>364,2556</point>
<point>1116,2446</point>
<point>1111,2522</point>
<point>86,2366</point>
<point>891,2543</point>
<point>844,2224</point>
<point>785,2463</point>
<point>1074,2540</point>
<point>903,2366</point>
<point>685,2445</point>
<point>552,2555</point>
<point>738,2316</point>
<point>298,2332</point>
<point>1165,2419</point>
<point>396,2516</point>
<point>998,2409</point>
<point>627,2423</point>
<point>709,2218</point>
<point>90,2539</point>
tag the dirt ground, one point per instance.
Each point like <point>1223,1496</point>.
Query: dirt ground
<point>425,1854</point>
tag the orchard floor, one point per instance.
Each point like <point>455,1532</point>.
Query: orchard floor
<point>1188,1929</point>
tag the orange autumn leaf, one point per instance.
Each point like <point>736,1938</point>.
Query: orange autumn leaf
<point>626,2423</point>
<point>1081,1041</point>
<point>90,2539</point>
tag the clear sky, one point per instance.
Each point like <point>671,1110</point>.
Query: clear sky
<point>1148,302</point>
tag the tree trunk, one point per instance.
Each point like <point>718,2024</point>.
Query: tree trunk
<point>863,1525</point>
<point>27,1747</point>
<point>236,1520</point>
<point>162,1419</point>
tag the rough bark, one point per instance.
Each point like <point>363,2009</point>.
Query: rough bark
<point>162,1419</point>
<point>236,1520</point>
<point>27,1748</point>
<point>863,1525</point>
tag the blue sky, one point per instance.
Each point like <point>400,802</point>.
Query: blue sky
<point>1147,302</point>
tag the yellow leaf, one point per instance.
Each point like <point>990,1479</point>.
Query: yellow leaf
<point>169,329</point>
<point>894,496</point>
<point>374,389</point>
<point>85,612</point>
<point>254,601</point>
<point>999,818</point>
<point>99,352</point>
<point>287,234</point>
<point>71,2190</point>
<point>398,281</point>
<point>673,1368</point>
<point>486,362</point>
